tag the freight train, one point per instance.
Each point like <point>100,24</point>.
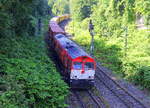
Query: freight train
<point>78,66</point>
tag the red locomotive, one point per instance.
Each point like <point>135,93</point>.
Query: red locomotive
<point>79,67</point>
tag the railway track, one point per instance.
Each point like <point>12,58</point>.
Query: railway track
<point>79,99</point>
<point>94,103</point>
<point>98,101</point>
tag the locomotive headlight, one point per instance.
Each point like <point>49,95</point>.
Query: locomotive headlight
<point>74,77</point>
<point>91,77</point>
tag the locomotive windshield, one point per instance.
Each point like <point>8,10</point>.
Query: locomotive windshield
<point>88,65</point>
<point>77,65</point>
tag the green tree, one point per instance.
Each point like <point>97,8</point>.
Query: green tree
<point>17,16</point>
<point>59,7</point>
<point>81,9</point>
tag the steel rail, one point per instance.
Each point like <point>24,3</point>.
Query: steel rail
<point>94,99</point>
<point>79,99</point>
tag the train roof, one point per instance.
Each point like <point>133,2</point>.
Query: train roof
<point>73,49</point>
<point>55,27</point>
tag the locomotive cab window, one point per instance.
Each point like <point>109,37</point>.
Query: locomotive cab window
<point>77,65</point>
<point>88,66</point>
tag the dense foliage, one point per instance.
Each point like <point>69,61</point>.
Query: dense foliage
<point>28,78</point>
<point>81,9</point>
<point>17,16</point>
<point>59,7</point>
<point>119,43</point>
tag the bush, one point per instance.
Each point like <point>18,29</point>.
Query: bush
<point>28,77</point>
<point>143,76</point>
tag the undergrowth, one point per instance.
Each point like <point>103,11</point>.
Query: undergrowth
<point>28,78</point>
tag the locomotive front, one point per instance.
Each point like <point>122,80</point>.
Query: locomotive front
<point>82,72</point>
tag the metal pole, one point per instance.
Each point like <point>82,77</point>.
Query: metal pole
<point>91,28</point>
<point>92,44</point>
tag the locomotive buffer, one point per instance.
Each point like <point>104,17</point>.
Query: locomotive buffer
<point>91,30</point>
